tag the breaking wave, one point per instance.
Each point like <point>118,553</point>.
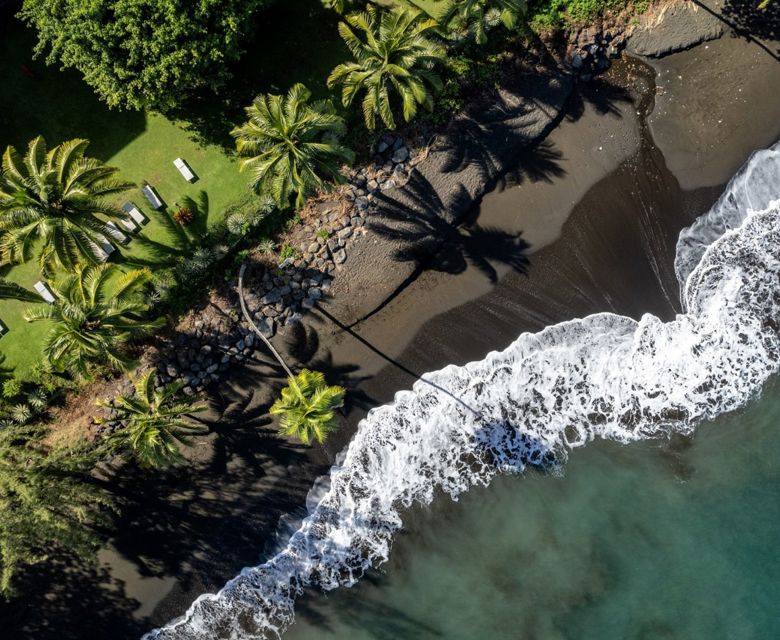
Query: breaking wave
<point>604,376</point>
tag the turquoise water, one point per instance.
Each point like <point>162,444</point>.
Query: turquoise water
<point>652,540</point>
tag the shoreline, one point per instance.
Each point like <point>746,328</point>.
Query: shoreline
<point>562,279</point>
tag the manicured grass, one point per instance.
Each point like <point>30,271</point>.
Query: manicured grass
<point>295,41</point>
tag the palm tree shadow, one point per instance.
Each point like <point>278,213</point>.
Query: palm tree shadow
<point>604,96</point>
<point>749,22</point>
<point>420,226</point>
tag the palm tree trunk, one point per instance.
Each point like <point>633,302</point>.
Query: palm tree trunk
<point>252,324</point>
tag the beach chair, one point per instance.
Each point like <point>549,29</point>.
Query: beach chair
<point>3,328</point>
<point>43,290</point>
<point>129,225</point>
<point>104,249</point>
<point>116,234</point>
<point>135,213</point>
<point>153,197</point>
<point>184,170</point>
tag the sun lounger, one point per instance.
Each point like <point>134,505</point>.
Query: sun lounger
<point>3,329</point>
<point>103,249</point>
<point>128,224</point>
<point>184,170</point>
<point>153,197</point>
<point>116,233</point>
<point>135,213</point>
<point>43,290</point>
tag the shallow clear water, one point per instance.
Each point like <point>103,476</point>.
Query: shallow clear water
<point>649,540</point>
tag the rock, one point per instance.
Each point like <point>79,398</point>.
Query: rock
<point>308,303</point>
<point>313,247</point>
<point>188,391</point>
<point>212,368</point>
<point>272,297</point>
<point>345,232</point>
<point>172,371</point>
<point>357,222</point>
<point>399,173</point>
<point>339,258</point>
<point>327,283</point>
<point>372,186</point>
<point>267,327</point>
<point>382,147</point>
<point>240,345</point>
<point>389,184</point>
<point>315,293</point>
<point>361,202</point>
<point>577,62</point>
<point>400,155</point>
<point>285,290</point>
<point>387,167</point>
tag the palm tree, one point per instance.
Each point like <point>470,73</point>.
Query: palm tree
<point>12,291</point>
<point>96,311</point>
<point>156,422</point>
<point>395,56</point>
<point>56,202</point>
<point>307,407</point>
<point>290,144</point>
<point>476,17</point>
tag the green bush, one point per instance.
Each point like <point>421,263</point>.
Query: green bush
<point>546,15</point>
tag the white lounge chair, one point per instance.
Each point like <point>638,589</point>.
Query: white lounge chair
<point>116,233</point>
<point>104,250</point>
<point>184,170</point>
<point>3,329</point>
<point>135,213</point>
<point>152,196</point>
<point>128,224</point>
<point>43,290</point>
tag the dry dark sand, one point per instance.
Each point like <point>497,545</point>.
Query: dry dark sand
<point>598,211</point>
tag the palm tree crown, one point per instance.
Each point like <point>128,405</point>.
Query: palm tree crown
<point>96,310</point>
<point>307,407</point>
<point>58,197</point>
<point>475,17</point>
<point>156,422</point>
<point>395,56</point>
<point>290,143</point>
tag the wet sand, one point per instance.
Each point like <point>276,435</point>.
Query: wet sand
<point>599,212</point>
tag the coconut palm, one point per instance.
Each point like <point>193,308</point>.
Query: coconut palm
<point>307,407</point>
<point>96,311</point>
<point>476,17</point>
<point>155,421</point>
<point>290,144</point>
<point>56,202</point>
<point>12,291</point>
<point>394,57</point>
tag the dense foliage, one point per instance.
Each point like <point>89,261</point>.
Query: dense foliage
<point>289,143</point>
<point>12,291</point>
<point>56,203</point>
<point>142,53</point>
<point>46,502</point>
<point>476,17</point>
<point>394,61</point>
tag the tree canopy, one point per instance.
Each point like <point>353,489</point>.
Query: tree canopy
<point>142,53</point>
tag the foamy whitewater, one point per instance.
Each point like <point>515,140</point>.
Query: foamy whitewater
<point>604,376</point>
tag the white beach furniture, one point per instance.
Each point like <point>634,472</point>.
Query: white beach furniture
<point>184,170</point>
<point>128,224</point>
<point>3,329</point>
<point>43,290</point>
<point>153,197</point>
<point>116,234</point>
<point>104,250</point>
<point>135,213</point>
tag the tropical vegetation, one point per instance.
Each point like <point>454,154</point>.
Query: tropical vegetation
<point>56,203</point>
<point>142,53</point>
<point>393,63</point>
<point>476,17</point>
<point>156,421</point>
<point>12,291</point>
<point>97,309</point>
<point>307,407</point>
<point>48,503</point>
<point>289,144</point>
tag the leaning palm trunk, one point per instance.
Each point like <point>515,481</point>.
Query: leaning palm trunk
<point>254,327</point>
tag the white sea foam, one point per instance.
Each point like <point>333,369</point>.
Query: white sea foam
<point>604,376</point>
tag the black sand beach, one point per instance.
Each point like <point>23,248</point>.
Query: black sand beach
<point>597,206</point>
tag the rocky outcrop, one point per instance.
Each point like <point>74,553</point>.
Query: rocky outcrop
<point>677,25</point>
